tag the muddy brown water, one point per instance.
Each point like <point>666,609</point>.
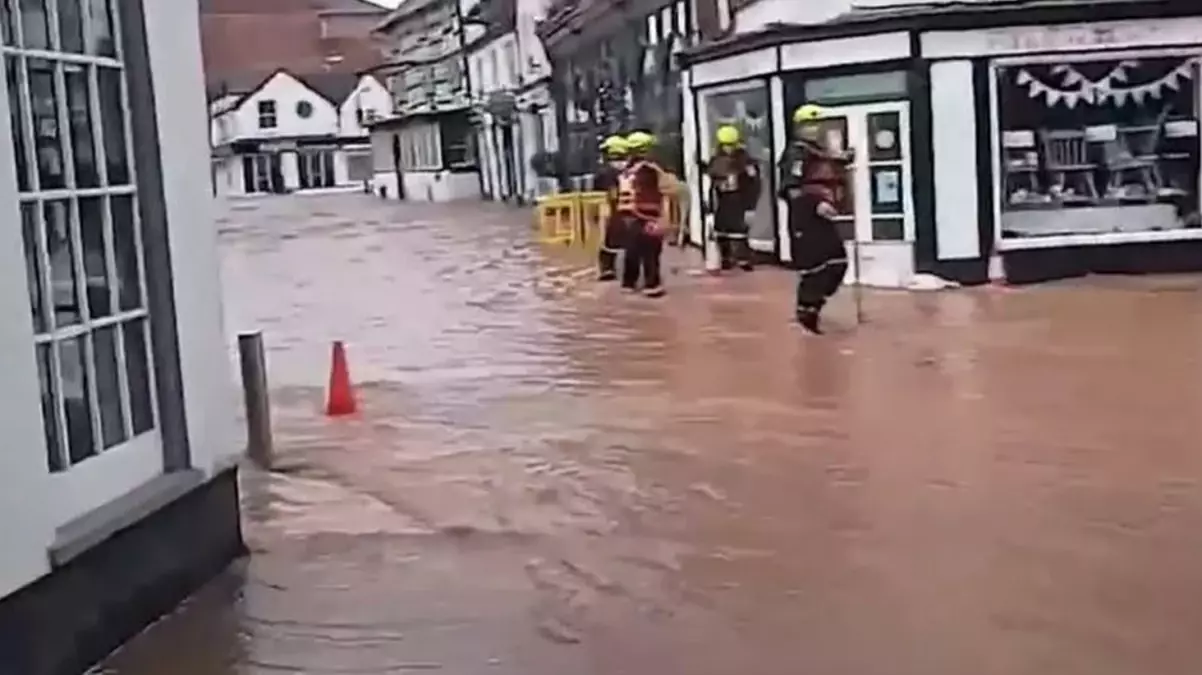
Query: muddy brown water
<point>548,477</point>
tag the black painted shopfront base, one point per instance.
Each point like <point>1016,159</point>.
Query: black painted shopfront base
<point>1030,266</point>
<point>969,272</point>
<point>74,617</point>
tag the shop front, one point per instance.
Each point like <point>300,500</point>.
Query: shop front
<point>1027,143</point>
<point>1093,143</point>
<point>118,486</point>
<point>280,166</point>
<point>867,105</point>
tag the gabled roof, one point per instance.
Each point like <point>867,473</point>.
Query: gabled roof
<point>333,87</point>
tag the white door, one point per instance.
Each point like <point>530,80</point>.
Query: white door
<point>879,209</point>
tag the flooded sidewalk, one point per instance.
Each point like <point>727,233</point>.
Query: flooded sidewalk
<point>550,477</point>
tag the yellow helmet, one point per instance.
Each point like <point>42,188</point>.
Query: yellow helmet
<point>728,135</point>
<point>639,140</point>
<point>807,113</point>
<point>615,145</point>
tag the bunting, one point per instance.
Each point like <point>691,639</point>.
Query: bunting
<point>1076,89</point>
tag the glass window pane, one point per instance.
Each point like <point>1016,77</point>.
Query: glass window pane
<point>888,229</point>
<point>33,267</point>
<point>844,89</point>
<point>46,132</point>
<point>108,386</point>
<point>79,112</point>
<point>1099,145</point>
<point>112,121</point>
<point>73,368</point>
<point>16,111</point>
<point>886,189</point>
<point>50,414</point>
<point>35,24</point>
<point>100,40</point>
<point>61,251</point>
<point>884,137</point>
<point>125,252</point>
<point>70,26</point>
<point>137,368</point>
<point>95,257</point>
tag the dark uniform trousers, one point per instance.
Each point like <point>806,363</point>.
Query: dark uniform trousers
<point>818,254</point>
<point>643,252</point>
<point>613,242</point>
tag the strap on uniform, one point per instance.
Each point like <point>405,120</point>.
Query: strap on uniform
<point>823,265</point>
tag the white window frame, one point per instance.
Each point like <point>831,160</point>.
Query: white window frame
<point>995,150</point>
<point>107,472</point>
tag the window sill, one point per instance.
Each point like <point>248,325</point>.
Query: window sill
<point>78,536</point>
<point>1101,239</point>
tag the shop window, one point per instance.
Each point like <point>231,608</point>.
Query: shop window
<point>81,230</point>
<point>459,148</point>
<point>359,166</point>
<point>419,148</point>
<point>745,107</point>
<point>1098,146</point>
<point>315,169</point>
<point>267,115</point>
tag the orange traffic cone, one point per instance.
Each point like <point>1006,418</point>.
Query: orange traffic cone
<point>341,395</point>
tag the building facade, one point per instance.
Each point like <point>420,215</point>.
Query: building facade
<point>1020,141</point>
<point>615,70</point>
<point>294,133</point>
<point>118,493</point>
<point>424,148</point>
<point>510,77</point>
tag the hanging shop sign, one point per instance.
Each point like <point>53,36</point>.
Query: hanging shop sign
<point>1074,88</point>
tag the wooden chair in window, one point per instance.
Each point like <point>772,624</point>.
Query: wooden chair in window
<point>1134,152</point>
<point>1066,159</point>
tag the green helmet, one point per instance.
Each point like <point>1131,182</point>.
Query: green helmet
<point>728,134</point>
<point>615,145</point>
<point>807,113</point>
<point>640,141</point>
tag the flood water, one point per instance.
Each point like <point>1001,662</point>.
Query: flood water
<point>548,477</point>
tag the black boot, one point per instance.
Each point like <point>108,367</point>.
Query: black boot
<point>809,319</point>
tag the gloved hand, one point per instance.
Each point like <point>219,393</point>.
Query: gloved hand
<point>827,210</point>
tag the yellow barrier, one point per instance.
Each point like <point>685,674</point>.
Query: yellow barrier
<point>577,219</point>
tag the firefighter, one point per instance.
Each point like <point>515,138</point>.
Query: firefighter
<point>614,154</point>
<point>813,183</point>
<point>734,191</point>
<point>640,206</point>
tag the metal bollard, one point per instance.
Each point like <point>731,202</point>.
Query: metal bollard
<point>259,445</point>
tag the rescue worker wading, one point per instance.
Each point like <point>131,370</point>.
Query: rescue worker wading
<point>606,180</point>
<point>734,191</point>
<point>640,206</point>
<point>812,181</point>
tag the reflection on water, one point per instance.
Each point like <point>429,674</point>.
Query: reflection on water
<point>548,477</point>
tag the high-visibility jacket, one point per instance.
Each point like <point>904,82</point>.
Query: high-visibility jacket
<point>735,182</point>
<point>815,171</point>
<point>639,191</point>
